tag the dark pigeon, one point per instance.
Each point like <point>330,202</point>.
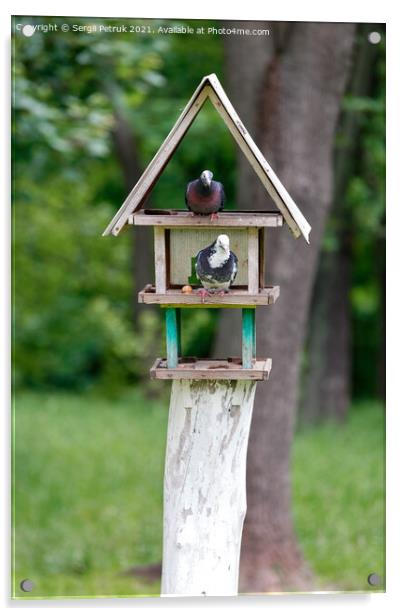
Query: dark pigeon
<point>205,196</point>
<point>216,267</point>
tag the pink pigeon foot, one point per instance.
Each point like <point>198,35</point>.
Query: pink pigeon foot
<point>204,293</point>
<point>214,216</point>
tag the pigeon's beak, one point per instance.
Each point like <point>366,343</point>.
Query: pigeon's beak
<point>223,242</point>
<point>206,178</point>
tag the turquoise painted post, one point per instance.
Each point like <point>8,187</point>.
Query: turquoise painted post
<point>248,337</point>
<point>178,320</point>
<point>172,336</point>
<point>254,334</point>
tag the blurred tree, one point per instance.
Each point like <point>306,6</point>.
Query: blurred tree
<point>328,382</point>
<point>127,152</point>
<point>299,101</point>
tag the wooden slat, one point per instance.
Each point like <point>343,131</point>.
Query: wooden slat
<point>235,298</point>
<point>168,255</point>
<point>261,257</point>
<point>252,261</point>
<point>160,259</point>
<point>181,218</point>
<point>212,369</point>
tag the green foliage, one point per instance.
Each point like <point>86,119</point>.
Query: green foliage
<point>73,288</point>
<point>88,494</point>
<point>365,200</point>
<point>357,224</point>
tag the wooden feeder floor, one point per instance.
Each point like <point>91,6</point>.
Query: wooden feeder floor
<point>183,218</point>
<point>236,297</point>
<point>212,369</point>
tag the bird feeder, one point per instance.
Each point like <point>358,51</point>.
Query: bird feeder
<point>197,506</point>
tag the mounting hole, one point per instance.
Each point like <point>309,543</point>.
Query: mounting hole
<point>28,30</point>
<point>27,585</point>
<point>374,38</point>
<point>374,579</point>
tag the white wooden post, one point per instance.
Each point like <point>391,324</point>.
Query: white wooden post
<point>205,486</point>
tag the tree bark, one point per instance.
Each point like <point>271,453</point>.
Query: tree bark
<point>299,102</point>
<point>327,388</point>
<point>327,383</point>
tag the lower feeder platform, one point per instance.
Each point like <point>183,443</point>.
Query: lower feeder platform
<point>175,366</point>
<point>212,369</point>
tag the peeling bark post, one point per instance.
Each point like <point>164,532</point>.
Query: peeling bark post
<point>205,486</point>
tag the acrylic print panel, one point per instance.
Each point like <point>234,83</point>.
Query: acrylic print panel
<point>93,100</point>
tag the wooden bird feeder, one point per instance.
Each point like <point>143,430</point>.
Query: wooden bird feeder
<point>201,387</point>
<point>179,235</point>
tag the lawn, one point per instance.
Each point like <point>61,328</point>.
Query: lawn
<point>88,497</point>
<point>339,498</point>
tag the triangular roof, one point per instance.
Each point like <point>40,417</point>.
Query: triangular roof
<point>210,87</point>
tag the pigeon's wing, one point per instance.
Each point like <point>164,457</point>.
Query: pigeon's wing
<point>197,264</point>
<point>235,268</point>
<point>185,197</point>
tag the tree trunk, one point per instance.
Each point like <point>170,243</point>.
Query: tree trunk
<point>327,389</point>
<point>327,383</point>
<point>205,491</point>
<point>300,98</point>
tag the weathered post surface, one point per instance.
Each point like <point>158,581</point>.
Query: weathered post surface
<point>205,486</point>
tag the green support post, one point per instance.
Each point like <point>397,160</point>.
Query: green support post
<point>254,335</point>
<point>178,320</point>
<point>248,337</point>
<point>173,335</point>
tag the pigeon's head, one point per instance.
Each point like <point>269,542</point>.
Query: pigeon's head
<point>206,178</point>
<point>222,243</point>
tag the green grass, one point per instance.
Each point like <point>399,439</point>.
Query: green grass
<point>88,497</point>
<point>339,498</point>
